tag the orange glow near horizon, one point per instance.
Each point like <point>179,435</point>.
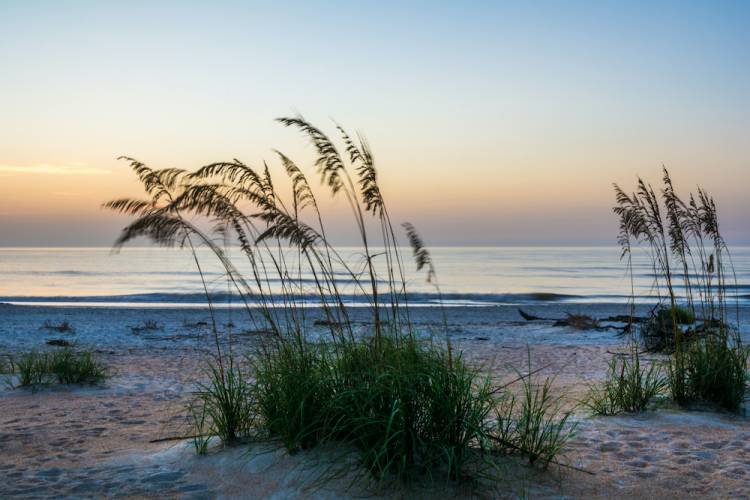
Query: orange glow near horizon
<point>489,126</point>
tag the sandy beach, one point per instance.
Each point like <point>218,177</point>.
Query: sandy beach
<point>103,441</point>
<point>398,250</point>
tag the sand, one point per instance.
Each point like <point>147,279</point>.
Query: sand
<point>97,441</point>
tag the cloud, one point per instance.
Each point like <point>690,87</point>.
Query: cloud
<point>76,168</point>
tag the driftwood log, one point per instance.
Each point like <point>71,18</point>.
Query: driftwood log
<point>586,322</point>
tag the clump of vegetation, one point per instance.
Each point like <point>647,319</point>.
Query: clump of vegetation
<point>226,406</point>
<point>628,388</point>
<point>63,366</point>
<point>708,360</point>
<point>64,327</point>
<point>709,369</point>
<point>32,368</point>
<point>411,406</point>
<point>534,425</point>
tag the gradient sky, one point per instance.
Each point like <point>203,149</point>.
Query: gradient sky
<point>491,123</point>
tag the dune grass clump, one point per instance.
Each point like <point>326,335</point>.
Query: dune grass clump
<point>409,407</point>
<point>71,367</point>
<point>709,369</point>
<point>294,386</point>
<point>691,263</point>
<point>628,387</point>
<point>408,403</point>
<point>226,401</point>
<point>32,368</point>
<point>63,366</point>
<point>534,423</point>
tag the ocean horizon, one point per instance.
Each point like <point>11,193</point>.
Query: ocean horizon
<point>468,276</point>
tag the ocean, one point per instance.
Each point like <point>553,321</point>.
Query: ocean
<point>468,276</point>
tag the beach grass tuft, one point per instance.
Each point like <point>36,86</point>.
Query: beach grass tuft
<point>409,407</point>
<point>404,398</point>
<point>226,402</point>
<point>62,366</point>
<point>691,265</point>
<point>534,423</point>
<point>708,369</point>
<point>629,386</point>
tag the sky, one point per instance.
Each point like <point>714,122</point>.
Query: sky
<point>491,123</point>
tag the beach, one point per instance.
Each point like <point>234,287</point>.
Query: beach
<point>297,250</point>
<point>117,439</point>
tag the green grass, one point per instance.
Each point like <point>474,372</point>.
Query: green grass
<point>198,414</point>
<point>533,424</point>
<point>409,407</point>
<point>709,369</point>
<point>225,402</point>
<point>63,366</point>
<point>692,266</point>
<point>628,388</point>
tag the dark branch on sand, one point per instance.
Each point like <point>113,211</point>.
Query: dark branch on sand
<point>586,322</point>
<point>176,438</point>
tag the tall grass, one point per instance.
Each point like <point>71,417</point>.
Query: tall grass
<point>411,406</point>
<point>226,402</point>
<point>691,266</point>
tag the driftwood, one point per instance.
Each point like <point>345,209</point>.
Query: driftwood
<point>586,322</point>
<point>176,438</point>
<point>59,342</point>
<point>530,317</point>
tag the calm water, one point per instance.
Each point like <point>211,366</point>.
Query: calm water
<point>470,275</point>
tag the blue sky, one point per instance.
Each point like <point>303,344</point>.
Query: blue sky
<point>492,123</point>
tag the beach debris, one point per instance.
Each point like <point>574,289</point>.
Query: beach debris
<point>578,321</point>
<point>59,343</point>
<point>147,326</point>
<point>197,324</point>
<point>336,326</point>
<point>530,317</point>
<point>586,322</point>
<point>325,322</point>
<point>251,332</point>
<point>64,327</point>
